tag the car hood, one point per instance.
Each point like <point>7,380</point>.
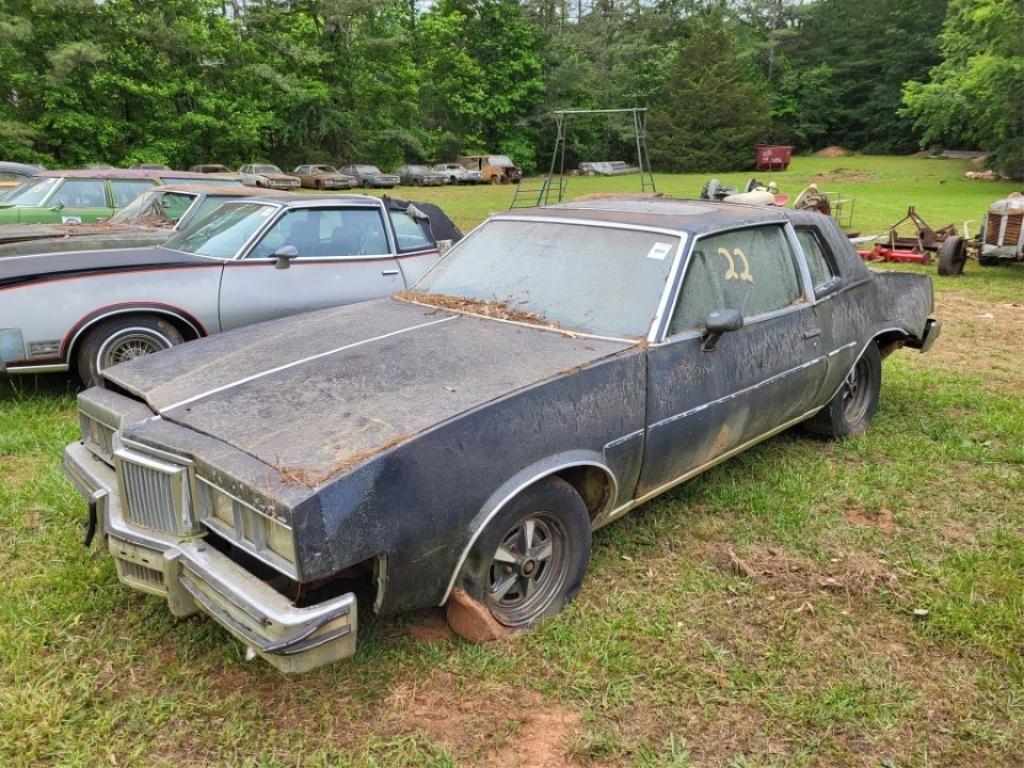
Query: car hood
<point>13,233</point>
<point>315,395</point>
<point>16,270</point>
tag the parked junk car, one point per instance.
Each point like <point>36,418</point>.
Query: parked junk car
<point>458,443</point>
<point>454,173</point>
<point>371,176</point>
<point>250,260</point>
<point>418,176</point>
<point>149,219</point>
<point>493,169</point>
<point>210,168</point>
<point>324,177</point>
<point>13,174</point>
<point>267,177</point>
<point>75,197</point>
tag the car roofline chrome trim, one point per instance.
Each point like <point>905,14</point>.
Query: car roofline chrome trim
<point>286,366</point>
<point>670,293</point>
<point>589,223</point>
<point>548,472</point>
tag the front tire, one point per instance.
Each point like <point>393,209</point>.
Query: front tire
<point>952,256</point>
<point>849,413</point>
<point>530,559</point>
<point>119,340</point>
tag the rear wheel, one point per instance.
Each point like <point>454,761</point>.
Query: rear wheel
<point>850,412</point>
<point>529,561</point>
<point>119,340</point>
<point>952,256</point>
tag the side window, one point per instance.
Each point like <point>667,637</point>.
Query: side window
<point>322,233</point>
<point>822,271</point>
<point>174,204</point>
<point>412,234</point>
<point>750,270</point>
<point>81,193</point>
<point>127,190</point>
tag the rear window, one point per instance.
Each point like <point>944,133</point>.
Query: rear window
<point>126,190</point>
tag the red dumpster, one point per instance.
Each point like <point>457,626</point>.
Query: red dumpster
<point>772,157</point>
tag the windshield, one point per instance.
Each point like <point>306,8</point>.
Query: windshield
<point>323,169</point>
<point>32,192</point>
<point>153,206</point>
<point>418,169</point>
<point>589,279</point>
<point>223,233</point>
<point>266,169</point>
<point>367,169</point>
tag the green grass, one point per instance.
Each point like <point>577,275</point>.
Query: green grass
<point>883,625</point>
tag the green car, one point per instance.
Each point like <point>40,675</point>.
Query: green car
<point>79,197</point>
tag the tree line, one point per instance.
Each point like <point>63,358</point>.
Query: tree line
<point>388,81</point>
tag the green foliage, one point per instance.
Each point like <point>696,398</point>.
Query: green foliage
<point>974,95</point>
<point>384,81</point>
<point>713,107</point>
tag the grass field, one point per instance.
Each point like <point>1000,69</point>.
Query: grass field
<point>806,604</point>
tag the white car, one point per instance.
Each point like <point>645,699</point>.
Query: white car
<point>267,177</point>
<point>456,174</point>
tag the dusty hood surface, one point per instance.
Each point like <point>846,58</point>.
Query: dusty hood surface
<point>314,395</point>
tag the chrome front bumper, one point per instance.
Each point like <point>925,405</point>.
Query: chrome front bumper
<point>193,576</point>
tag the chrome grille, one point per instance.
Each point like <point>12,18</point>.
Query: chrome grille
<point>130,571</point>
<point>154,493</point>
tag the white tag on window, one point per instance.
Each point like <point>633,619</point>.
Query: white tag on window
<point>659,251</point>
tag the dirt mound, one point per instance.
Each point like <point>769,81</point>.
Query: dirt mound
<point>833,151</point>
<point>849,175</point>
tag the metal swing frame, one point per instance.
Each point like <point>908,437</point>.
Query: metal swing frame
<point>523,197</point>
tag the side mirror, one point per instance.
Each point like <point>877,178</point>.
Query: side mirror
<point>718,322</point>
<point>284,256</point>
<point>59,206</point>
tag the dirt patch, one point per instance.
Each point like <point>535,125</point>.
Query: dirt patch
<point>490,725</point>
<point>430,626</point>
<point>848,175</point>
<point>541,741</point>
<point>871,518</point>
<point>980,337</point>
<point>833,151</point>
<point>473,621</point>
<point>853,574</point>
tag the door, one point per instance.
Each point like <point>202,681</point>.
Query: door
<point>702,404</point>
<point>74,201</point>
<point>343,256</point>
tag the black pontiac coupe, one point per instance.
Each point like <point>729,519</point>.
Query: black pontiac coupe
<point>557,368</point>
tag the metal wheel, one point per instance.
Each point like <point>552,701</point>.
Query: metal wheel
<point>130,344</point>
<point>856,393</point>
<point>529,560</point>
<point>119,340</point>
<point>529,569</point>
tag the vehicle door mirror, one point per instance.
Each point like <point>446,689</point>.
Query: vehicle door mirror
<point>718,322</point>
<point>58,206</point>
<point>284,256</point>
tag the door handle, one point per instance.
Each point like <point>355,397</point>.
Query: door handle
<point>812,334</point>
<point>389,272</point>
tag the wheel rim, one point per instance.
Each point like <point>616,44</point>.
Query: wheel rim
<point>856,392</point>
<point>528,570</point>
<point>128,346</point>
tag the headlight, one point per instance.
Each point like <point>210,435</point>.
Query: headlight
<point>258,531</point>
